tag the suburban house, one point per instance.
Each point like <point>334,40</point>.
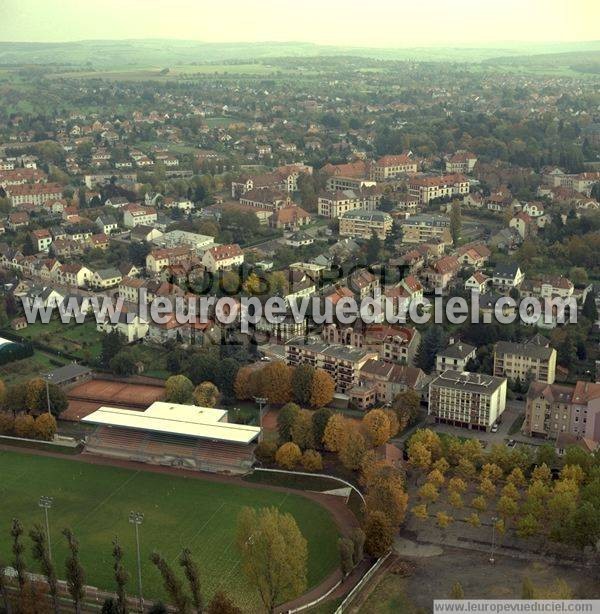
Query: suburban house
<point>130,325</point>
<point>41,239</point>
<point>455,357</point>
<point>507,276</point>
<point>74,275</point>
<point>478,282</point>
<point>106,224</point>
<point>106,278</point>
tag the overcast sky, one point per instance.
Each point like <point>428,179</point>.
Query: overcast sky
<point>380,23</point>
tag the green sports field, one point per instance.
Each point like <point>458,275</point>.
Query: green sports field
<point>95,502</point>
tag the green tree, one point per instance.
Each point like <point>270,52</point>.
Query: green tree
<point>320,418</point>
<point>121,577</point>
<point>285,420</point>
<point>41,555</point>
<point>16,532</point>
<point>358,540</point>
<point>274,554</point>
<point>123,363</point>
<point>302,431</point>
<point>406,405</point>
<point>206,394</point>
<point>173,585</point>
<point>379,533</point>
<point>302,379</point>
<point>74,571</point>
<point>431,343</point>
<point>192,574</point>
<point>112,344</point>
<point>179,389</point>
<point>222,604</point>
<point>374,249</point>
<point>4,590</point>
<point>589,309</point>
<point>346,551</point>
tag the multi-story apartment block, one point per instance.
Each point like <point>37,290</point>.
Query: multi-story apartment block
<point>342,363</point>
<point>222,257</point>
<point>337,182</point>
<point>533,360</point>
<point>266,198</point>
<point>548,410</point>
<point>425,227</point>
<point>334,204</point>
<point>427,189</point>
<point>468,400</point>
<point>389,167</point>
<point>396,344</point>
<point>585,415</point>
<point>361,223</point>
<point>580,182</point>
<point>136,215</point>
<point>37,193</point>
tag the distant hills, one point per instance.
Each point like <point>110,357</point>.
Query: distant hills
<point>166,52</point>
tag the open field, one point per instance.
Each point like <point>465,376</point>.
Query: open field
<point>34,366</point>
<point>169,73</point>
<point>95,501</point>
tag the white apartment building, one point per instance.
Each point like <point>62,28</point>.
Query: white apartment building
<point>468,400</point>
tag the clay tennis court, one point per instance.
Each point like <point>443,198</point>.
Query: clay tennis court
<point>89,396</point>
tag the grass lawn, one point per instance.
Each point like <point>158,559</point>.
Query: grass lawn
<point>27,368</point>
<point>388,596</point>
<point>179,512</point>
<point>81,340</point>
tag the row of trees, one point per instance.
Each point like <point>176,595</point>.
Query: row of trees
<point>31,397</point>
<point>25,425</point>
<point>281,383</point>
<point>273,552</point>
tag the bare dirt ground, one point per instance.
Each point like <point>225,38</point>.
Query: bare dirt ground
<point>89,396</point>
<point>432,578</point>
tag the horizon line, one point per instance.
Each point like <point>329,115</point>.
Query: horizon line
<point>449,45</point>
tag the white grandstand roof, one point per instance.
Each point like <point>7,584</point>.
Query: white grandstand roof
<point>174,419</point>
